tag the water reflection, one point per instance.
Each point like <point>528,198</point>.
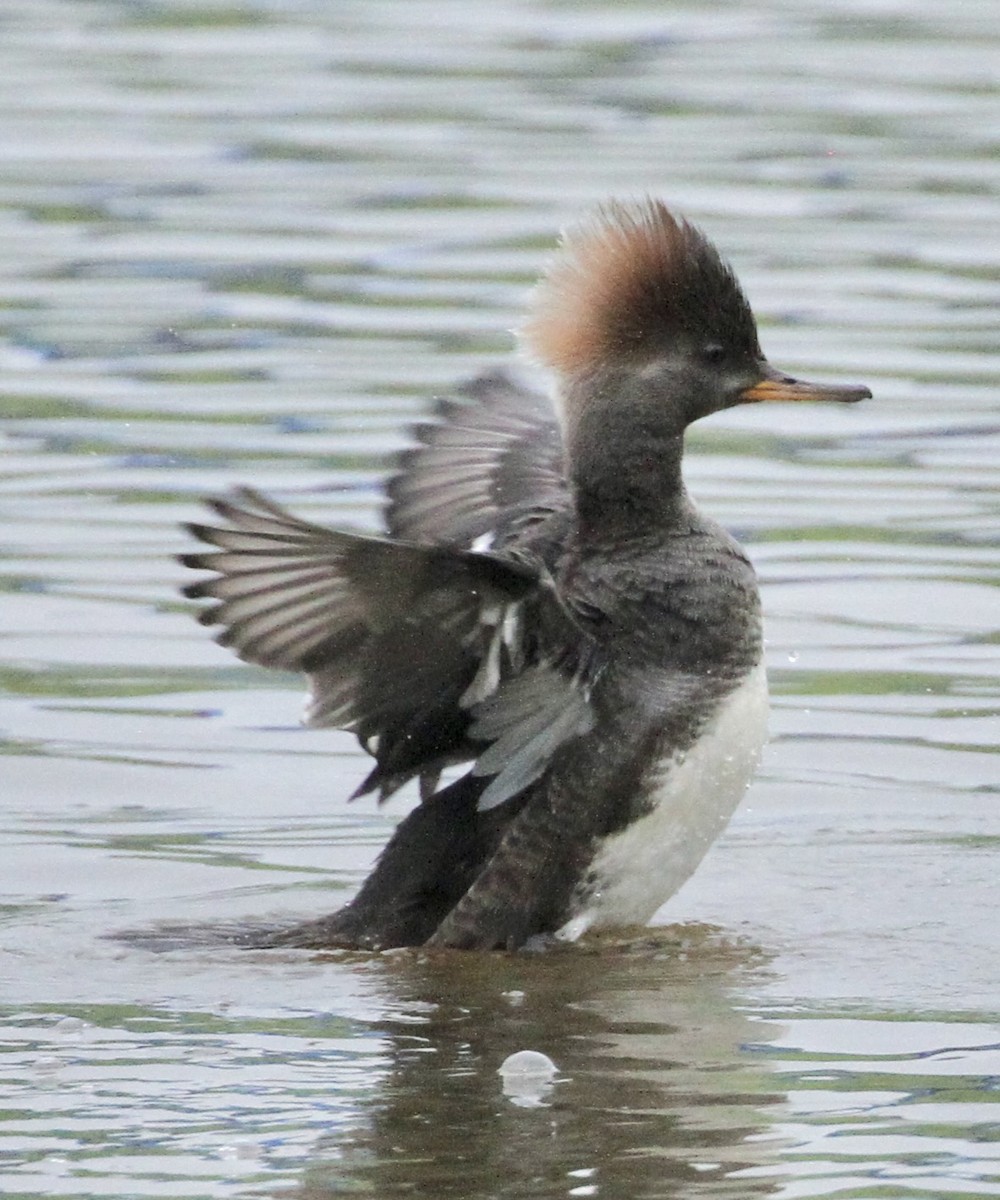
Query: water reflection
<point>654,1095</point>
<point>667,1086</point>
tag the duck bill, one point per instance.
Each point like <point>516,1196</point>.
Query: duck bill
<point>776,387</point>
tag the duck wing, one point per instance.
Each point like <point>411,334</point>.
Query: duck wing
<point>493,454</point>
<point>430,655</point>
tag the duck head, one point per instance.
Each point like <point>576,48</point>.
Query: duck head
<point>644,323</point>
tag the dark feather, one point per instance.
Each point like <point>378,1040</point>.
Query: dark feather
<point>402,643</point>
<point>432,860</point>
<point>390,635</point>
<point>493,456</point>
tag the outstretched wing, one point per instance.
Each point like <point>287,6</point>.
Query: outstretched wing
<point>493,454</point>
<point>422,651</point>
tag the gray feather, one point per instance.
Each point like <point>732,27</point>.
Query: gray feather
<point>526,722</point>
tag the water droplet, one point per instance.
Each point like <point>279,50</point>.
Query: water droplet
<point>527,1062</point>
<point>527,1077</point>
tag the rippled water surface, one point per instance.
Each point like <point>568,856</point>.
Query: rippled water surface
<point>244,243</point>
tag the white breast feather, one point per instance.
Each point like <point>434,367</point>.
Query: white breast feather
<point>695,794</point>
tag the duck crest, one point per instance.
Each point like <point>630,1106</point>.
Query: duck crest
<point>627,282</point>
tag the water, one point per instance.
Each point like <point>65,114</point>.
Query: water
<point>245,243</point>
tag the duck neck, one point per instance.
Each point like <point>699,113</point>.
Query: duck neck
<point>626,477</point>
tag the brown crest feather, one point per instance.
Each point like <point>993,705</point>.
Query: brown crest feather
<point>628,281</point>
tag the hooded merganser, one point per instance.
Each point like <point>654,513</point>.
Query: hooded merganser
<point>547,606</point>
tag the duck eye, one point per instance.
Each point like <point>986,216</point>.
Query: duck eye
<point>712,353</point>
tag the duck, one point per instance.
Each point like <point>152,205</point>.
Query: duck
<point>549,637</point>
